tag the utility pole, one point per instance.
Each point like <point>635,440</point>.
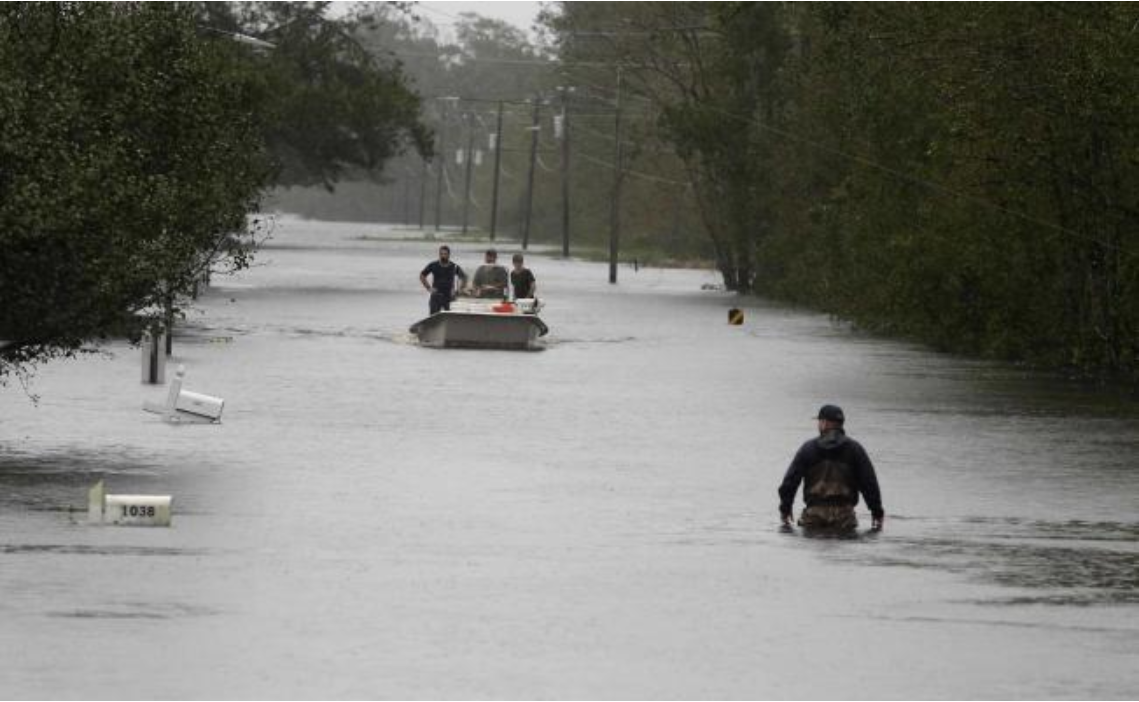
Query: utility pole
<point>406,197</point>
<point>534,129</point>
<point>440,163</point>
<point>565,173</point>
<point>441,159</point>
<point>422,192</point>
<point>615,214</point>
<point>467,176</point>
<point>497,170</point>
<point>169,321</point>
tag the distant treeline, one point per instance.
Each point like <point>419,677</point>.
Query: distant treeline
<point>464,78</point>
<point>964,174</point>
<point>961,174</point>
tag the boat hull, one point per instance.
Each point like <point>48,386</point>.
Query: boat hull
<point>479,330</point>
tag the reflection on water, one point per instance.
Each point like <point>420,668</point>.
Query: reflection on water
<point>102,550</point>
<point>1055,563</point>
<point>134,610</point>
<point>564,341</point>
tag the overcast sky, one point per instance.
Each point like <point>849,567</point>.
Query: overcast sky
<point>444,14</point>
<point>520,14</point>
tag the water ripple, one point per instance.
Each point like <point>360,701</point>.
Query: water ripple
<point>1054,563</point>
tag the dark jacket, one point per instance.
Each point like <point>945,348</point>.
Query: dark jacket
<point>834,469</point>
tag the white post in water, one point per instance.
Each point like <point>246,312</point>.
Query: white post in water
<point>96,497</point>
<point>175,390</point>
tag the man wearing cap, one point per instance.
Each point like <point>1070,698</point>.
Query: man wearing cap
<point>834,469</point>
<point>490,278</point>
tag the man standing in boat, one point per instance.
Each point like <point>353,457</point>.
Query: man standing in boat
<point>490,278</point>
<point>521,279</point>
<point>442,286</point>
<point>834,470</point>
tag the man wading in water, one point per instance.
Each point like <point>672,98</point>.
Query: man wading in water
<point>834,469</point>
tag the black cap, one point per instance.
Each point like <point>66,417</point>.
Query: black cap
<point>831,413</point>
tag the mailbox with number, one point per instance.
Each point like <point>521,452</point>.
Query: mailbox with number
<point>128,510</point>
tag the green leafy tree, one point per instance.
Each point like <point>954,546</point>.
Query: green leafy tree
<point>332,107</point>
<point>962,174</point>
<point>137,138</point>
<point>128,154</point>
<point>968,178</point>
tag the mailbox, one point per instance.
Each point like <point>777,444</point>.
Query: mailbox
<point>127,510</point>
<point>137,510</point>
<point>185,406</point>
<point>199,405</point>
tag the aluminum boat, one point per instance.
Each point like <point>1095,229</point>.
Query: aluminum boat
<point>483,324</point>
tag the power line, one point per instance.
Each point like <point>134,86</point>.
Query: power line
<point>529,103</point>
<point>547,63</point>
<point>610,137</point>
<point>437,11</point>
<point>635,174</point>
<point>471,59</point>
<point>542,164</point>
<point>704,29</point>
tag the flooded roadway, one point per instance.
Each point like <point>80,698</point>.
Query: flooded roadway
<point>597,519</point>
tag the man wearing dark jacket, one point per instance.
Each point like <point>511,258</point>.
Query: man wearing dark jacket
<point>834,470</point>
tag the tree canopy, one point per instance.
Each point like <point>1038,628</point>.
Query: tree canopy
<point>137,138</point>
<point>964,174</point>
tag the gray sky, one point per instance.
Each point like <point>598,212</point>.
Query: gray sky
<point>521,14</point>
<point>444,14</point>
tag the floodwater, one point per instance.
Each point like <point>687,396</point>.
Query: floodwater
<point>595,519</point>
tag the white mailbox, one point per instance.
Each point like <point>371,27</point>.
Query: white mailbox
<point>127,510</point>
<point>185,406</point>
<point>197,404</point>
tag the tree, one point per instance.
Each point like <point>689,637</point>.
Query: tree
<point>962,174</point>
<point>136,139</point>
<point>331,106</point>
<point>128,154</point>
<point>973,186</point>
<point>711,68</point>
<point>491,61</point>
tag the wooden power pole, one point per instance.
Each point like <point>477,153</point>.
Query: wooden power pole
<point>497,170</point>
<point>467,176</point>
<point>534,129</point>
<point>565,174</point>
<point>615,213</point>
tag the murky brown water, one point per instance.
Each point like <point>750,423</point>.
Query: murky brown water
<point>597,519</point>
